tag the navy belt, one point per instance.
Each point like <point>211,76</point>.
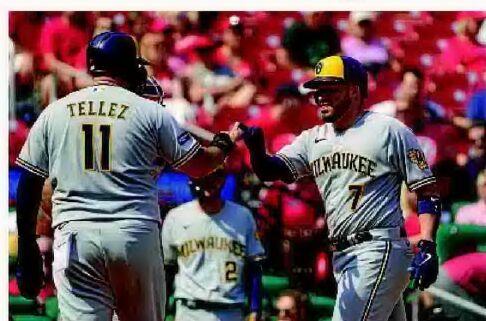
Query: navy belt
<point>208,305</point>
<point>343,242</point>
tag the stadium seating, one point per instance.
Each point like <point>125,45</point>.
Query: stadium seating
<point>31,318</point>
<point>21,305</point>
<point>455,239</point>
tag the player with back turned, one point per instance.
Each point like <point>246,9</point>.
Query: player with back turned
<point>99,146</point>
<point>358,160</point>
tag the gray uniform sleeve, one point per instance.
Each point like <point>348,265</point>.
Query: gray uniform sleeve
<point>176,145</point>
<point>34,155</point>
<point>170,252</point>
<point>295,156</point>
<point>408,159</point>
<point>254,246</point>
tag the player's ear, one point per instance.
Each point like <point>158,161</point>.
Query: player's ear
<point>354,93</point>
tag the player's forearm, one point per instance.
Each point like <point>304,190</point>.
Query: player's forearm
<point>428,226</point>
<point>209,158</point>
<point>429,211</point>
<point>29,192</point>
<point>270,168</point>
<point>204,162</point>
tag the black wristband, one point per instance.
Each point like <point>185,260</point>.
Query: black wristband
<point>223,142</point>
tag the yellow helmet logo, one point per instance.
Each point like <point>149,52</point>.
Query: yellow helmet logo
<point>332,66</point>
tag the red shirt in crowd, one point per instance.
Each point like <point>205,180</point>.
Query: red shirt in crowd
<point>462,51</point>
<point>292,121</point>
<point>468,271</point>
<point>65,41</point>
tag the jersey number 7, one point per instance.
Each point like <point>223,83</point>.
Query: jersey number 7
<point>105,131</point>
<point>357,191</point>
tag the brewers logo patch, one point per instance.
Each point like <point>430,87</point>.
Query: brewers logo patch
<point>318,68</point>
<point>417,157</point>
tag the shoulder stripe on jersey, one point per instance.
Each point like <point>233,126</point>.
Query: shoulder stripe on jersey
<point>289,164</point>
<point>426,181</point>
<point>187,156</point>
<point>31,168</point>
<point>381,273</point>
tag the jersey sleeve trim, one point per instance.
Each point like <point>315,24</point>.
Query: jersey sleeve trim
<point>32,168</point>
<point>289,164</point>
<point>426,181</point>
<point>187,156</point>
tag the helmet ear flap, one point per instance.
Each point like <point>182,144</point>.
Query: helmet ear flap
<point>140,78</point>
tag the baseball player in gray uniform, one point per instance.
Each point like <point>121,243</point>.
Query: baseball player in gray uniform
<point>215,246</point>
<point>99,145</point>
<point>358,160</point>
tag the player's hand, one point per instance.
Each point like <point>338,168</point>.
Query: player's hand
<point>425,266</point>
<point>29,272</point>
<point>236,132</point>
<point>254,139</point>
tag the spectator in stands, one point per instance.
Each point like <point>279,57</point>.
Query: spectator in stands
<point>103,24</point>
<point>289,114</point>
<point>291,306</point>
<point>463,276</point>
<point>463,52</point>
<point>24,30</point>
<point>63,45</point>
<point>410,104</point>
<point>361,42</point>
<point>217,90</point>
<point>229,56</point>
<point>475,160</point>
<point>414,109</point>
<point>476,109</point>
<point>156,46</point>
<point>475,213</point>
<point>311,39</point>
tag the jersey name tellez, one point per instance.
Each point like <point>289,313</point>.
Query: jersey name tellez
<point>98,108</point>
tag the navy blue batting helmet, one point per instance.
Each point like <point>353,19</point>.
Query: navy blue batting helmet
<point>115,54</point>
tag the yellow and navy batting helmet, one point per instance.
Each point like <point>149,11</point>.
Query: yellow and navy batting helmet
<point>339,69</point>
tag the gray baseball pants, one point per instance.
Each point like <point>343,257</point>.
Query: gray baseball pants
<point>102,267</point>
<point>371,277</point>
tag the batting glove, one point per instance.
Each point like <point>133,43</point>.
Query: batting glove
<point>425,266</point>
<point>29,273</point>
<point>254,139</point>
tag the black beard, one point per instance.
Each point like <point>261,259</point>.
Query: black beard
<point>330,119</point>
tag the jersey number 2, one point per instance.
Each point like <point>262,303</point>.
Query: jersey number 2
<point>105,131</point>
<point>230,271</point>
<point>357,191</point>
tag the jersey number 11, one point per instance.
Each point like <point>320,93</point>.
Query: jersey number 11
<point>89,157</point>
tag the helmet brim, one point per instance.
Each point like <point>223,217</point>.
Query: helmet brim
<point>321,81</point>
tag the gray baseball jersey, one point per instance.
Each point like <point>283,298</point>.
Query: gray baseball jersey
<point>210,250</point>
<point>359,171</point>
<point>100,145</point>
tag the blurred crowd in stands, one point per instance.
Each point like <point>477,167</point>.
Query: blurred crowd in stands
<point>427,69</point>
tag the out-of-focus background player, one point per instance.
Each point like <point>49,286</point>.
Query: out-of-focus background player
<point>214,246</point>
